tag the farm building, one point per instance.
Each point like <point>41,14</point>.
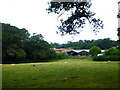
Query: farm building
<point>61,50</point>
<point>71,52</point>
<point>78,52</point>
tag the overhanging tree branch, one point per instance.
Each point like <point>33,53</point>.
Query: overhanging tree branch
<point>80,13</point>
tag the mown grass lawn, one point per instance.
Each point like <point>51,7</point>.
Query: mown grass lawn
<point>67,73</point>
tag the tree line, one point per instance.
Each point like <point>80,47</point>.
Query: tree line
<point>87,44</point>
<point>19,46</point>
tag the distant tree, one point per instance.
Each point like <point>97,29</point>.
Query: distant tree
<point>111,51</point>
<point>94,51</point>
<point>104,43</point>
<point>55,45</point>
<point>79,14</point>
<point>87,44</point>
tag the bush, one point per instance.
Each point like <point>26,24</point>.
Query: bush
<point>107,58</point>
<point>47,55</point>
<point>111,51</point>
<point>95,50</point>
<point>61,55</point>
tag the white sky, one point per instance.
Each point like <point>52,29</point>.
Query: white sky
<point>32,15</point>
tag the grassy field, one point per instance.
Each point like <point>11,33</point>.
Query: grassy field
<point>67,73</point>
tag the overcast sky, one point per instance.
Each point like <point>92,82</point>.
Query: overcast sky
<point>32,15</point>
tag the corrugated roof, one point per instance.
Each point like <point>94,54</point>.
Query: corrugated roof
<point>87,50</point>
<point>68,50</point>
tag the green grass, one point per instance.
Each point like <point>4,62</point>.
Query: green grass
<point>67,73</point>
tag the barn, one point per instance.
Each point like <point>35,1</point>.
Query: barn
<point>84,53</point>
<point>78,52</point>
<point>72,53</point>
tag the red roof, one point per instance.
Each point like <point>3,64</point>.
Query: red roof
<point>61,49</point>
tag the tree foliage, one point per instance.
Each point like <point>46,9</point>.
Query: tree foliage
<point>111,51</point>
<point>13,41</point>
<point>94,51</point>
<point>19,46</point>
<point>111,54</point>
<point>87,44</point>
<point>79,14</point>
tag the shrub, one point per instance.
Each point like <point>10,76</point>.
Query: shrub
<point>84,57</point>
<point>107,58</point>
<point>61,55</point>
<point>111,51</point>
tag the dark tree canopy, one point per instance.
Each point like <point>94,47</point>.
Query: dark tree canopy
<point>79,14</point>
<point>18,46</point>
<point>105,43</point>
